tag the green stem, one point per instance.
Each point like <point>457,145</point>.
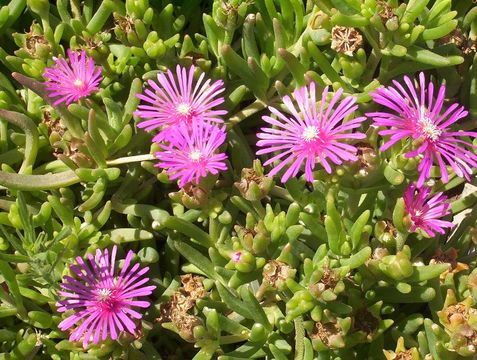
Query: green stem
<point>31,133</point>
<point>229,35</point>
<point>130,159</point>
<point>232,339</point>
<point>140,210</point>
<point>38,182</point>
<point>464,203</point>
<point>245,113</point>
<point>373,61</point>
<point>299,338</point>
<point>371,39</point>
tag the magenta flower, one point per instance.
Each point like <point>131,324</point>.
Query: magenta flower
<point>310,133</point>
<point>425,212</point>
<point>421,118</point>
<point>102,299</point>
<point>191,153</point>
<point>71,82</point>
<point>172,102</point>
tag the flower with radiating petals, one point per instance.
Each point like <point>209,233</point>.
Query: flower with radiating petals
<point>425,212</point>
<point>191,153</point>
<point>415,114</point>
<point>310,133</point>
<point>102,297</point>
<point>174,101</point>
<point>69,82</point>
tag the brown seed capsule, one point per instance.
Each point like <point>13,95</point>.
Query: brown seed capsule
<point>450,257</point>
<point>345,40</point>
<point>125,23</point>
<point>33,41</point>
<point>367,158</point>
<point>385,11</point>
<point>364,321</point>
<point>193,286</point>
<point>329,333</point>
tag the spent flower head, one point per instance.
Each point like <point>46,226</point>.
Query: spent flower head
<point>190,153</point>
<point>310,133</point>
<point>102,297</point>
<point>415,114</point>
<point>425,212</point>
<point>69,82</point>
<point>176,100</point>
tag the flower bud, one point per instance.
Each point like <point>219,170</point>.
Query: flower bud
<point>230,14</point>
<point>243,261</point>
<point>253,184</point>
<point>258,333</point>
<point>319,20</point>
<point>191,196</point>
<point>326,335</point>
<point>275,273</point>
<point>385,232</point>
<point>397,267</point>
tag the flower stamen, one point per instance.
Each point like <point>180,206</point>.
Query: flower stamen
<point>427,126</point>
<point>183,109</point>
<point>310,133</point>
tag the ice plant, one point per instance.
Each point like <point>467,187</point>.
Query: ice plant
<point>69,82</point>
<point>425,212</point>
<point>415,114</point>
<point>102,297</point>
<point>310,133</point>
<point>172,101</point>
<point>191,152</point>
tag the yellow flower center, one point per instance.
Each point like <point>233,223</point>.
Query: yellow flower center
<point>78,83</point>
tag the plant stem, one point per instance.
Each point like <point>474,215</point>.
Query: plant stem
<point>31,134</point>
<point>299,338</point>
<point>130,159</point>
<point>38,182</point>
<point>245,113</point>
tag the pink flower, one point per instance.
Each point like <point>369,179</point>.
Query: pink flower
<point>236,256</point>
<point>421,118</point>
<point>102,299</point>
<point>425,212</point>
<point>172,102</point>
<point>310,133</point>
<point>71,82</point>
<point>191,153</point>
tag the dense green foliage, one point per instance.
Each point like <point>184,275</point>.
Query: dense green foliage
<point>328,269</point>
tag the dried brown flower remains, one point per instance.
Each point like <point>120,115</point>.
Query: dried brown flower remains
<point>345,40</point>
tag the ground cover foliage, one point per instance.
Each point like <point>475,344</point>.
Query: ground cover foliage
<point>364,251</point>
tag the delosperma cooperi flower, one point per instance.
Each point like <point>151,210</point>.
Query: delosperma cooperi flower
<point>102,297</point>
<point>415,114</point>
<point>425,211</point>
<point>172,101</point>
<point>310,133</point>
<point>69,82</point>
<point>192,152</point>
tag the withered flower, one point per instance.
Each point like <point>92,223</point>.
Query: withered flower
<point>345,40</point>
<point>450,257</point>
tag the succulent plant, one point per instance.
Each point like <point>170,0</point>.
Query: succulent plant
<point>337,224</point>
